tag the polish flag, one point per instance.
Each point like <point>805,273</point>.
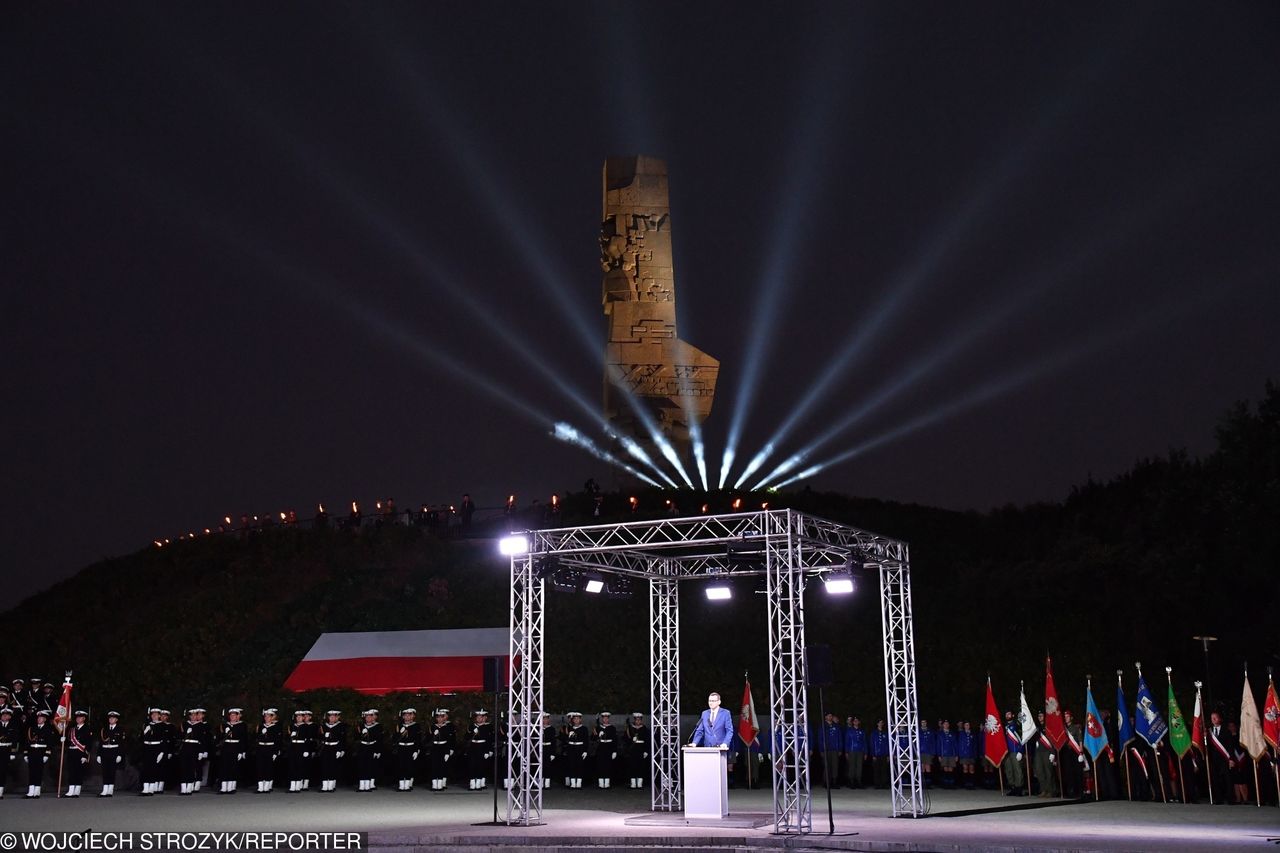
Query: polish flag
<point>994,745</point>
<point>378,662</point>
<point>1053,725</point>
<point>748,722</point>
<point>64,706</point>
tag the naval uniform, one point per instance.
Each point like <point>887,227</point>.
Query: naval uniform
<point>442,740</point>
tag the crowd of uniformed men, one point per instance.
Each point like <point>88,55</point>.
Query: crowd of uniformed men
<point>186,753</point>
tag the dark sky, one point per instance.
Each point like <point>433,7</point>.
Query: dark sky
<point>238,236</point>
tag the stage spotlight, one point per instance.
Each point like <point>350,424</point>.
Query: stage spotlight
<point>545,567</point>
<point>718,591</point>
<point>618,587</point>
<point>838,583</point>
<point>592,582</point>
<point>513,545</point>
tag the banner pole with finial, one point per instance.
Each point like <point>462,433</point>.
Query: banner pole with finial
<point>1182,782</point>
<point>1094,762</point>
<point>1204,724</point>
<point>1026,754</point>
<point>1124,747</point>
<point>1275,750</point>
<point>1257,791</point>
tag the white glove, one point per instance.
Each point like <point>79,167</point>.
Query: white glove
<point>584,755</point>
<point>202,756</point>
<point>240,756</point>
<point>1017,756</point>
<point>1053,759</point>
<point>339,754</point>
<point>377,755</point>
<point>446,755</point>
<point>274,756</point>
<point>99,759</point>
<point>159,758</point>
<point>415,754</point>
<point>306,755</point>
<point>1080,758</point>
<point>613,755</point>
<point>488,755</point>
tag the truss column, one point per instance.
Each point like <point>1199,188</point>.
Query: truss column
<point>788,695</point>
<point>664,689</point>
<point>905,778</point>
<point>525,698</point>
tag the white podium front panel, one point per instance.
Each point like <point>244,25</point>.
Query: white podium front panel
<point>706,781</point>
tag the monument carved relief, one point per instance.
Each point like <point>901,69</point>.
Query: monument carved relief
<point>673,380</point>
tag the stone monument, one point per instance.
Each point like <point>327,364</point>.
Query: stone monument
<point>644,356</point>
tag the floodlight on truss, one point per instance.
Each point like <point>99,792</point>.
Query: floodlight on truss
<point>513,545</point>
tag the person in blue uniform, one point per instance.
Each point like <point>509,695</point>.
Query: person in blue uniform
<point>880,756</point>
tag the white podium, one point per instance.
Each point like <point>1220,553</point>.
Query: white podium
<point>706,782</point>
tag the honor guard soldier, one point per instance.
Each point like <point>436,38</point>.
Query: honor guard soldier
<point>442,741</point>
<point>17,696</point>
<point>151,752</point>
<point>232,750</point>
<point>333,746</point>
<point>111,750</point>
<point>928,749</point>
<point>313,735</point>
<point>575,750</point>
<point>855,750</point>
<point>1046,758</point>
<point>1013,765</point>
<point>79,743</point>
<point>300,748</point>
<point>41,698</point>
<point>42,741</point>
<point>1071,759</point>
<point>168,764</point>
<point>606,738</point>
<point>639,742</point>
<point>369,751</point>
<point>191,751</point>
<point>480,747</point>
<point>10,740</point>
<point>202,759</point>
<point>550,750</point>
<point>407,745</point>
<point>268,745</point>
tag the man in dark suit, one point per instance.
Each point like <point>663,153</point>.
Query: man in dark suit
<point>716,726</point>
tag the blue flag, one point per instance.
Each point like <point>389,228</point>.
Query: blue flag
<point>1122,711</point>
<point>1147,720</point>
<point>1095,737</point>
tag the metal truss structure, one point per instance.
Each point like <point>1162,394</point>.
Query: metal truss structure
<point>786,548</point>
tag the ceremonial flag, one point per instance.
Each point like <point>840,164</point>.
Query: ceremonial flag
<point>994,747</point>
<point>1271,716</point>
<point>1179,737</point>
<point>748,723</point>
<point>1250,726</point>
<point>1026,722</point>
<point>1148,722</point>
<point>1053,725</point>
<point>1095,737</point>
<point>1197,724</point>
<point>1125,729</point>
<point>64,706</point>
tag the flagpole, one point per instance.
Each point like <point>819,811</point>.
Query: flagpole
<point>1182,782</point>
<point>750,758</point>
<point>1124,747</point>
<point>1204,728</point>
<point>1275,751</point>
<point>62,746</point>
<point>1257,792</point>
<point>1026,753</point>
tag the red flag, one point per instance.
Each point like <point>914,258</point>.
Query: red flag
<point>993,732</point>
<point>748,723</point>
<point>1197,724</point>
<point>64,706</point>
<point>1271,717</point>
<point>1053,724</point>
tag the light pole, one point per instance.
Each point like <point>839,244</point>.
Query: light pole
<point>1205,640</point>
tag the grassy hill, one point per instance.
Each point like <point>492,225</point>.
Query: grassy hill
<point>1120,571</point>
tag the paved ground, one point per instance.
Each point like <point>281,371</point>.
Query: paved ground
<point>594,820</point>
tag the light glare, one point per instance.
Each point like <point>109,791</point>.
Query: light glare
<point>513,545</point>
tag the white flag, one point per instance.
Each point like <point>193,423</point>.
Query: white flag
<point>1026,722</point>
<point>1251,724</point>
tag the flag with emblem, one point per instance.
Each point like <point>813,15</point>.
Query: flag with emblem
<point>1053,725</point>
<point>64,706</point>
<point>1125,729</point>
<point>1179,737</point>
<point>1148,723</point>
<point>994,747</point>
<point>1197,723</point>
<point>1026,722</point>
<point>748,723</point>
<point>1095,737</point>
<point>1271,716</point>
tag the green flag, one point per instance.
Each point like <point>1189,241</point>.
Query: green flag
<point>1179,737</point>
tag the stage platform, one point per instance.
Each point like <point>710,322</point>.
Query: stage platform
<point>597,821</point>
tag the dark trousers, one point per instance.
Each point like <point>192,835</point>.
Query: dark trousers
<point>329,762</point>
<point>74,765</point>
<point>35,767</point>
<point>366,763</point>
<point>264,758</point>
<point>109,757</point>
<point>189,763</point>
<point>855,768</point>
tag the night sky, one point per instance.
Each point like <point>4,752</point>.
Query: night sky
<point>243,244</point>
